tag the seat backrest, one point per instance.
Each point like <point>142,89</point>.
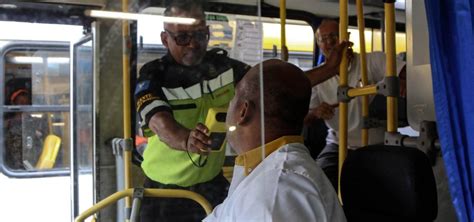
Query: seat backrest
<point>50,152</point>
<point>387,183</point>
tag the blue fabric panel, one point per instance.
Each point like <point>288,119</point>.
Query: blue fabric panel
<point>451,25</point>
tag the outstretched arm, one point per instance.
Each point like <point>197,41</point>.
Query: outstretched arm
<point>179,137</point>
<point>330,67</point>
<point>324,111</point>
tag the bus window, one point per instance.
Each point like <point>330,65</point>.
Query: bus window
<point>36,103</point>
<point>400,38</point>
<point>354,38</point>
<point>299,40</point>
<point>373,40</point>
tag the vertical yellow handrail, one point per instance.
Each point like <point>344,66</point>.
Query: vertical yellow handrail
<point>343,35</point>
<point>284,49</point>
<point>363,67</point>
<point>126,102</point>
<point>392,104</point>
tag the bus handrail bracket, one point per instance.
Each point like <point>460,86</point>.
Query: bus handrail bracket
<point>389,86</point>
<point>343,94</point>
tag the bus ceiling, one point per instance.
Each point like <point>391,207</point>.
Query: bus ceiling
<point>72,11</point>
<point>51,12</point>
<point>299,10</point>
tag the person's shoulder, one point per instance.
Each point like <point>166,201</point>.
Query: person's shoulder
<point>152,68</point>
<point>222,62</point>
<point>221,57</point>
<point>296,159</point>
<point>152,65</point>
<point>217,52</point>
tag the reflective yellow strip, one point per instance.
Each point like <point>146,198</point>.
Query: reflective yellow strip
<point>175,93</point>
<point>150,107</point>
<point>194,91</point>
<point>227,77</point>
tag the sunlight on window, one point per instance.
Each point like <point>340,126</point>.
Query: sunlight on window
<point>39,32</point>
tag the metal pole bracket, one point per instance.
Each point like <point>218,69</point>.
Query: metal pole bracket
<point>342,94</point>
<point>389,86</point>
<point>393,139</point>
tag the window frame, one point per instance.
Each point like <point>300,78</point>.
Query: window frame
<point>4,50</point>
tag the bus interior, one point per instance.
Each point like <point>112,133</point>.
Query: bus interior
<point>64,148</point>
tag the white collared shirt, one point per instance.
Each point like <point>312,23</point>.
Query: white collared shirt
<point>286,186</point>
<point>327,92</point>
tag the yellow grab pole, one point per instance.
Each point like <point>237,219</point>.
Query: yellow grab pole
<point>126,102</point>
<point>284,49</point>
<point>391,70</point>
<point>363,91</point>
<point>165,193</point>
<point>343,35</point>
<point>363,67</point>
<point>175,193</point>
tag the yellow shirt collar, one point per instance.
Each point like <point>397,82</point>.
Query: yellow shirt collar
<point>253,157</point>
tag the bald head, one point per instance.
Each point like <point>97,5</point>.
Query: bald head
<point>331,24</point>
<point>327,35</point>
<point>193,7</point>
<point>287,93</point>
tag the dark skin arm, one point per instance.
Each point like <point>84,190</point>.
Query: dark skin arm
<point>330,67</point>
<point>179,137</point>
<point>324,111</point>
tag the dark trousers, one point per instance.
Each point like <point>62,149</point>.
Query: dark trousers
<point>174,209</point>
<point>315,137</point>
<point>328,160</point>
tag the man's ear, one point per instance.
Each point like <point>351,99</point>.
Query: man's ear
<point>164,39</point>
<point>246,113</point>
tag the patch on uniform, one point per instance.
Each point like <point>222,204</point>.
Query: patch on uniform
<point>142,86</point>
<point>144,99</point>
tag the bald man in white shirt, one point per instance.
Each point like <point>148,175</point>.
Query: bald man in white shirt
<point>277,180</point>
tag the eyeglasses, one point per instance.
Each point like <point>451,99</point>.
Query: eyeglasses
<point>184,38</point>
<point>333,36</point>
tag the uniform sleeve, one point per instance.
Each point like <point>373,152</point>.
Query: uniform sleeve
<point>149,96</point>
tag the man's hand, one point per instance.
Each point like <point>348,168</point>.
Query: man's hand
<point>324,111</point>
<point>198,141</point>
<point>335,56</point>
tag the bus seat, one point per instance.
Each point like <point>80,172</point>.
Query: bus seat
<point>50,151</point>
<point>388,183</point>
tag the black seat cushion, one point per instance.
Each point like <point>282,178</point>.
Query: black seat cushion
<point>386,183</point>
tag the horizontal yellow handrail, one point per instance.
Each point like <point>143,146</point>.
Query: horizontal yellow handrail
<point>362,91</point>
<point>167,193</point>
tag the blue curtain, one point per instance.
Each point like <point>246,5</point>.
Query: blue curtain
<point>451,25</point>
